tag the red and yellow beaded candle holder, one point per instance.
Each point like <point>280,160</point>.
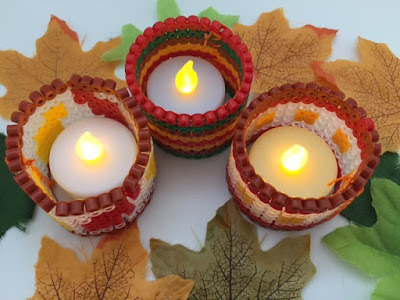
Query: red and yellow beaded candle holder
<point>40,120</point>
<point>202,134</point>
<point>344,127</point>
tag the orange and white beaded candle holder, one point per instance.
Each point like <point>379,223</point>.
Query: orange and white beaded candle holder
<point>300,155</point>
<point>191,78</point>
<point>83,152</point>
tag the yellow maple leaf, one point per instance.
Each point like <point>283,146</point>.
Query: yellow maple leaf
<point>116,270</point>
<point>374,83</point>
<point>58,55</point>
<point>281,54</point>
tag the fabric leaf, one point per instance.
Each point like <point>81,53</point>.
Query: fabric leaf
<point>212,14</point>
<point>361,210</point>
<point>386,288</point>
<point>232,265</point>
<point>167,9</point>
<point>128,36</point>
<point>16,208</point>
<point>375,250</point>
<point>58,54</point>
<point>374,83</point>
<point>281,54</point>
<point>116,271</point>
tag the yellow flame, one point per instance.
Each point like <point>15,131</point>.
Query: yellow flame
<point>88,147</point>
<point>186,79</point>
<point>294,158</point>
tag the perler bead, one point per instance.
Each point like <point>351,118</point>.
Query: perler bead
<point>328,114</point>
<point>196,37</point>
<point>40,120</point>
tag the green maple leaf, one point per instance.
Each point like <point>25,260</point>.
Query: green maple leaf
<point>375,250</point>
<point>16,208</point>
<point>165,9</point>
<point>232,265</point>
<point>212,14</point>
<point>170,9</point>
<point>129,34</point>
<point>361,210</point>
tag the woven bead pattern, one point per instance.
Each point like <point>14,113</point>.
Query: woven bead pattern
<point>341,123</point>
<point>38,123</point>
<point>201,134</point>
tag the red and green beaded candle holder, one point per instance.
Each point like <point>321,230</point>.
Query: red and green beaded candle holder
<point>38,123</point>
<point>341,123</point>
<point>203,134</point>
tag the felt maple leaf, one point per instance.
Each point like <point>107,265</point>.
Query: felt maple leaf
<point>116,271</point>
<point>374,83</point>
<point>375,250</point>
<point>170,9</point>
<point>58,55</point>
<point>361,211</point>
<point>165,9</point>
<point>232,265</point>
<point>212,14</point>
<point>282,54</point>
<point>129,34</point>
<point>16,208</point>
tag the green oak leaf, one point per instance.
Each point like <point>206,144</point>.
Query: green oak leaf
<point>128,36</point>
<point>232,265</point>
<point>375,250</point>
<point>361,210</point>
<point>212,14</point>
<point>16,208</point>
<point>167,9</point>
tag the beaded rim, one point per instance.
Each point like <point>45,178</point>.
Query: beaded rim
<point>266,192</point>
<point>15,161</point>
<point>185,120</point>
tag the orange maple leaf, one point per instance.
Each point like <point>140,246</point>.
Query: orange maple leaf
<point>58,55</point>
<point>116,270</point>
<point>281,54</point>
<point>374,83</point>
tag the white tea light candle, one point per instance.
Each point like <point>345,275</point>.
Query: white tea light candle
<point>295,161</point>
<point>92,156</point>
<point>186,84</point>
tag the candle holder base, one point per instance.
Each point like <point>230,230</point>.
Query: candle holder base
<point>341,123</point>
<point>38,123</point>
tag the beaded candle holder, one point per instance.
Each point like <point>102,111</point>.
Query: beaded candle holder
<point>39,122</point>
<point>344,127</point>
<point>202,134</point>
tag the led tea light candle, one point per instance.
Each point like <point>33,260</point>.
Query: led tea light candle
<point>295,161</point>
<point>300,155</point>
<point>82,151</point>
<point>92,156</point>
<point>186,84</point>
<point>191,77</point>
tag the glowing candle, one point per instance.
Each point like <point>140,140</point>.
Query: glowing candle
<point>88,147</point>
<point>186,79</point>
<point>91,157</point>
<point>295,161</point>
<point>186,84</point>
<point>294,158</point>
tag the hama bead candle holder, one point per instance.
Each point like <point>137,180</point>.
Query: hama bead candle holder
<point>39,122</point>
<point>198,135</point>
<point>344,127</point>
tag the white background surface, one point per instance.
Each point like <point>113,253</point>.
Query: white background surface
<point>188,192</point>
